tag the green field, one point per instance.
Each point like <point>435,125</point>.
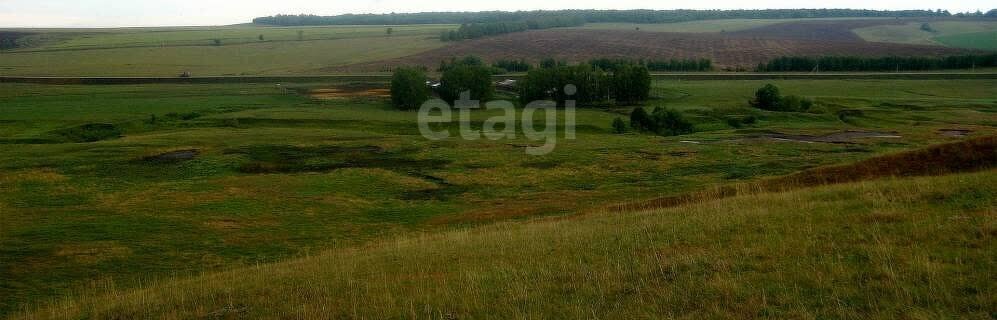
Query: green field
<point>980,34</point>
<point>172,51</point>
<point>274,174</point>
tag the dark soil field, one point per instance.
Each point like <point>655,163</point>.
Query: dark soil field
<point>727,50</point>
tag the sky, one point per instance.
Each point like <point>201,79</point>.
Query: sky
<point>136,13</point>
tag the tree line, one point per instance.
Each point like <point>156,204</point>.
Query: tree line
<point>656,65</point>
<point>832,63</point>
<point>482,29</point>
<point>586,84</point>
<point>589,16</point>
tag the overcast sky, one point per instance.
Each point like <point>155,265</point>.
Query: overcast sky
<point>119,13</point>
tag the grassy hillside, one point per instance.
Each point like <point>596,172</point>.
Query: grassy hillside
<point>238,50</point>
<point>916,248</point>
<point>192,178</point>
<point>980,34</point>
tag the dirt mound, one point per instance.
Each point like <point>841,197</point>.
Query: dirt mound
<point>580,45</point>
<point>349,93</point>
<point>819,30</point>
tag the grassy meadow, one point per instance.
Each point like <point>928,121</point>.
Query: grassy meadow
<point>133,183</point>
<point>980,34</point>
<point>912,248</point>
<point>238,50</point>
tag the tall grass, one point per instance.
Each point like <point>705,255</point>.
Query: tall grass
<point>913,248</point>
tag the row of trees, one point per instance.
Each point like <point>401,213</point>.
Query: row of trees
<point>586,84</point>
<point>482,29</point>
<point>656,65</point>
<point>585,16</point>
<point>808,64</point>
<point>513,65</point>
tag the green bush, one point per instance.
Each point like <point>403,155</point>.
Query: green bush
<point>408,88</point>
<point>619,126</point>
<point>735,123</point>
<point>767,97</point>
<point>661,121</point>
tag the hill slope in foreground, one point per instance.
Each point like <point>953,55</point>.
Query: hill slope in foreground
<point>912,248</point>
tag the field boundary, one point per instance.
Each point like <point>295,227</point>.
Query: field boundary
<point>385,77</point>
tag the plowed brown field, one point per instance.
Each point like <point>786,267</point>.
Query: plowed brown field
<point>745,49</point>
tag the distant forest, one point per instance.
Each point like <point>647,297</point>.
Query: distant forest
<point>590,16</point>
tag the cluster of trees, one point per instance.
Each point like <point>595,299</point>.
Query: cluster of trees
<point>808,64</point>
<point>408,88</point>
<point>482,29</point>
<point>512,65</point>
<point>586,84</point>
<point>585,16</point>
<point>770,98</point>
<point>656,65</point>
<point>466,75</point>
<point>661,121</point>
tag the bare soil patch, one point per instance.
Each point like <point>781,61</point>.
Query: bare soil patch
<point>954,132</point>
<point>350,92</point>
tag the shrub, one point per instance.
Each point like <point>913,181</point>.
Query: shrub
<point>670,122</point>
<point>767,97</point>
<point>619,126</point>
<point>662,121</point>
<point>408,88</point>
<point>750,120</point>
<point>795,103</point>
<point>640,120</point>
<point>735,123</point>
